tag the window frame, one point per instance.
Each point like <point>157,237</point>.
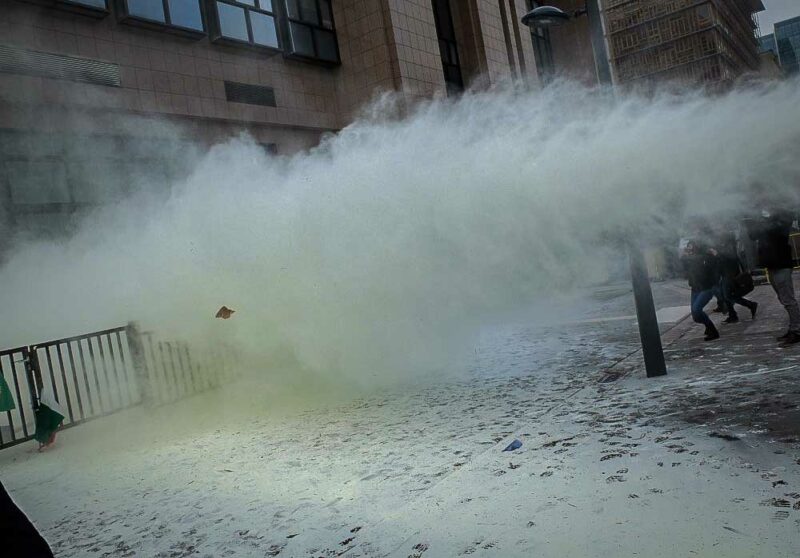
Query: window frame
<point>124,16</point>
<point>215,28</point>
<point>83,9</point>
<point>288,21</point>
<point>451,61</point>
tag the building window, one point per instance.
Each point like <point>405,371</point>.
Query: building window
<point>310,30</point>
<point>250,22</point>
<point>448,47</point>
<point>182,15</point>
<point>92,4</point>
<point>543,49</point>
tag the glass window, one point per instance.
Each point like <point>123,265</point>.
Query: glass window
<point>101,4</point>
<point>326,45</point>
<point>232,22</point>
<point>293,9</point>
<point>147,9</point>
<point>302,39</point>
<point>308,11</point>
<point>186,13</point>
<point>444,18</point>
<point>311,30</point>
<point>247,21</point>
<point>448,48</point>
<point>264,32</point>
<point>325,14</point>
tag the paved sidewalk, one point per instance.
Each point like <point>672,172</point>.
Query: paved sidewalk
<point>703,462</point>
<point>745,381</point>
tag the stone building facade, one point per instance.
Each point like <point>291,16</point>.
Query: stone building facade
<point>132,85</point>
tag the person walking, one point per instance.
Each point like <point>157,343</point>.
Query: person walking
<point>775,254</point>
<point>702,271</point>
<point>701,233</point>
<point>731,269</point>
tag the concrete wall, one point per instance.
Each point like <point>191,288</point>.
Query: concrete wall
<point>416,47</point>
<point>369,59</point>
<point>493,44</point>
<point>164,74</point>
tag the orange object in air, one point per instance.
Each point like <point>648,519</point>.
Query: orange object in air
<point>225,313</point>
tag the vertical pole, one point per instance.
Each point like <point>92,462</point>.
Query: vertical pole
<point>139,365</point>
<point>646,314</point>
<point>74,377</point>
<point>34,373</point>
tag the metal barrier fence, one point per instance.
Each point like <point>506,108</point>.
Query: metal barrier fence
<point>172,373</point>
<point>104,372</point>
<point>17,425</point>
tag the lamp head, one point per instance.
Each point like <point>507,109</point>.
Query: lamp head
<point>545,16</point>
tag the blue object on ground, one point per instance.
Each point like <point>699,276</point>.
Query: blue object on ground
<point>516,444</point>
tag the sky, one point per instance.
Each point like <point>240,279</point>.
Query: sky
<point>777,10</point>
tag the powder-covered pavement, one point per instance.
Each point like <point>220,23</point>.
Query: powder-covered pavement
<point>704,462</point>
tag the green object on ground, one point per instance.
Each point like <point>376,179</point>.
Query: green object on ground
<point>48,417</point>
<point>6,400</point>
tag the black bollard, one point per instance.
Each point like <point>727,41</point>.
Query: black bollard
<point>646,314</point>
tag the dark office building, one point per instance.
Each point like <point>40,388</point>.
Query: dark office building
<point>767,43</point>
<point>787,36</point>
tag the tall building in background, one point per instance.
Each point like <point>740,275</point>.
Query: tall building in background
<point>655,42</point>
<point>695,42</point>
<point>787,37</point>
<point>98,97</point>
<point>768,51</point>
<point>767,43</point>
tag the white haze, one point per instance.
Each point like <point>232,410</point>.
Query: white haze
<point>377,256</point>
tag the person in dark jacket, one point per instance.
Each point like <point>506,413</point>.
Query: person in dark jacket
<point>775,254</point>
<point>730,267</point>
<point>18,536</point>
<point>702,271</point>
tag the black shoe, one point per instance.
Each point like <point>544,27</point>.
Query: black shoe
<point>719,310</point>
<point>731,319</point>
<point>754,310</point>
<point>791,338</point>
<point>785,336</point>
<point>711,335</point>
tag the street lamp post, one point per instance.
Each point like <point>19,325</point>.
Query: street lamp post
<point>652,349</point>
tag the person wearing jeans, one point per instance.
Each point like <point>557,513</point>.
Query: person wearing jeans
<point>700,299</point>
<point>775,254</point>
<point>703,274</point>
